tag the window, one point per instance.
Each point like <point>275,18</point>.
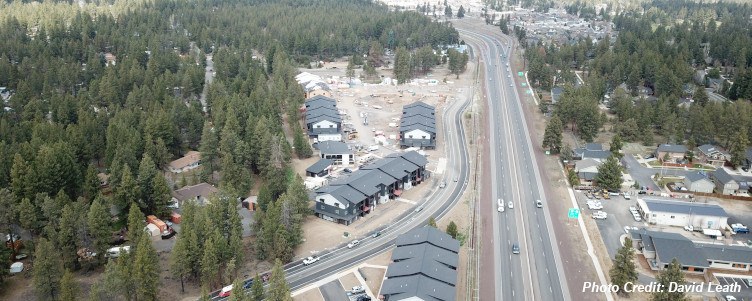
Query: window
<point>673,217</point>
<point>411,137</point>
<point>322,206</point>
<point>424,136</point>
<point>321,200</point>
<point>653,214</point>
<point>318,126</point>
<point>331,126</point>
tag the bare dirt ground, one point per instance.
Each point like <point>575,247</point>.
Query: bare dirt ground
<point>312,295</point>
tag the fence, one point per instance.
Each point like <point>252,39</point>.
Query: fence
<point>715,195</point>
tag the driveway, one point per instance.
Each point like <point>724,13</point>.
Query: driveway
<point>639,173</point>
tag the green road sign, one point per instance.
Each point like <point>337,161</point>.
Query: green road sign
<point>520,73</point>
<point>548,152</point>
<point>574,213</point>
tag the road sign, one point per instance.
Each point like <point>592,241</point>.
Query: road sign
<point>524,84</point>
<point>548,152</point>
<point>574,213</point>
<point>520,73</point>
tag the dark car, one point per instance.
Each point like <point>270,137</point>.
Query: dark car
<point>347,170</point>
<point>649,156</point>
<point>168,234</point>
<point>248,283</point>
<point>363,298</point>
<point>265,277</point>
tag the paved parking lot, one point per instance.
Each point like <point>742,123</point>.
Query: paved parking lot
<point>612,227</point>
<point>746,290</point>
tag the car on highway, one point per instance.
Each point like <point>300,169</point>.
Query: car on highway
<point>266,276</point>
<point>376,234</point>
<point>500,204</point>
<point>510,205</point>
<point>226,291</point>
<point>353,244</point>
<point>538,204</point>
<point>443,184</point>
<point>420,208</point>
<point>455,178</point>
<point>516,248</point>
<point>310,260</point>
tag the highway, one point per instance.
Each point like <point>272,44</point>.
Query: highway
<point>534,273</point>
<point>437,203</point>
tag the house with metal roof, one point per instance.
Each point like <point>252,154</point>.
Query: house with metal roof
<point>712,155</point>
<point>322,119</point>
<point>418,126</point>
<point>698,182</point>
<point>660,248</point>
<point>675,152</point>
<point>337,151</point>
<point>724,182</point>
<point>424,267</point>
<point>670,212</point>
<point>358,194</point>
<point>320,169</point>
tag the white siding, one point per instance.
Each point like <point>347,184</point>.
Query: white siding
<point>324,124</point>
<point>681,220</point>
<point>417,134</point>
<point>330,200</point>
<point>329,137</point>
<point>699,186</point>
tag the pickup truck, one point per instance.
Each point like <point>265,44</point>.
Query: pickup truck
<point>310,260</point>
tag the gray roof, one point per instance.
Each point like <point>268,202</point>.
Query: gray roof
<point>697,176</point>
<point>413,157</point>
<point>673,245</point>
<point>334,147</point>
<point>396,167</point>
<point>427,124</point>
<point>365,181</point>
<point>320,101</point>
<point>594,154</point>
<point>586,163</point>
<point>430,235</point>
<point>319,97</point>
<point>443,256</point>
<point>722,176</point>
<point>423,266</point>
<point>673,148</point>
<point>201,190</point>
<point>586,175</point>
<point>656,205</point>
<point>319,166</point>
<point>417,286</point>
<point>419,104</point>
<point>707,149</point>
<point>556,93</point>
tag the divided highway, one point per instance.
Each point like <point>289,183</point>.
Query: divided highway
<point>533,274</point>
<point>437,204</point>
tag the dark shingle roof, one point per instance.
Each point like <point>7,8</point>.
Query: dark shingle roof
<point>696,176</point>
<point>319,166</point>
<point>707,149</point>
<point>672,245</point>
<point>685,207</point>
<point>417,286</point>
<point>443,256</point>
<point>419,104</point>
<point>334,147</point>
<point>673,148</point>
<point>430,235</point>
<point>587,175</point>
<point>722,176</point>
<point>413,157</point>
<point>593,146</point>
<point>423,266</point>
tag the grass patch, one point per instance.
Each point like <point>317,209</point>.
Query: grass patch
<point>655,163</point>
<point>462,237</point>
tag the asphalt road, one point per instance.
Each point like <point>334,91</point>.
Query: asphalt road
<point>534,273</point>
<point>437,202</point>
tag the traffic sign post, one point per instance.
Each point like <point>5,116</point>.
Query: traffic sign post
<point>520,73</point>
<point>574,213</point>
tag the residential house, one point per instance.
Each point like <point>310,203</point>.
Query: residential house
<point>587,170</point>
<point>356,195</point>
<point>711,155</point>
<point>418,126</point>
<point>190,161</point>
<point>675,152</point>
<point>660,248</point>
<point>591,150</point>
<point>104,180</point>
<point>320,169</point>
<point>313,85</point>
<point>669,212</point>
<point>322,119</point>
<point>556,94</point>
<point>424,267</point>
<point>724,182</point>
<point>198,193</point>
<point>110,59</point>
<point>698,182</point>
<point>337,151</point>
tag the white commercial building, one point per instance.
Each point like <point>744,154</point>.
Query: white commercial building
<point>680,213</point>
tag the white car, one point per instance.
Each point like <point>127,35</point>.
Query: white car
<point>637,217</point>
<point>510,204</point>
<point>538,204</point>
<point>310,260</point>
<point>689,228</point>
<point>500,204</point>
<point>353,244</point>
<point>600,215</point>
<point>627,228</point>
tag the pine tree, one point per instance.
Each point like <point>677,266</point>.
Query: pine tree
<point>238,293</point>
<point>448,11</point>
<point>20,183</point>
<point>135,224</point>
<point>147,171</point>
<point>161,195</point>
<point>623,269</point>
<point>552,137</point>
<point>128,191</point>
<point>451,229</point>
<point>91,184</point>
<point>574,179</point>
<point>107,287</point>
<point>432,222</point>
<point>738,147</point>
<point>48,270</point>
<point>126,280</point>
<point>99,227</point>
<point>616,145</point>
<point>146,270</point>
<point>180,261</point>
<point>402,65</point>
<point>257,289</point>
<point>302,148</point>
<point>350,72</point>
<point>210,260</point>
<point>609,174</point>
<point>672,275</point>
<point>279,289</point>
<point>461,12</point>
<point>209,153</point>
<point>66,237</point>
<point>69,287</point>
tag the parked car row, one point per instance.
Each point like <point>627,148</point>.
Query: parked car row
<point>635,214</point>
<point>594,205</point>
